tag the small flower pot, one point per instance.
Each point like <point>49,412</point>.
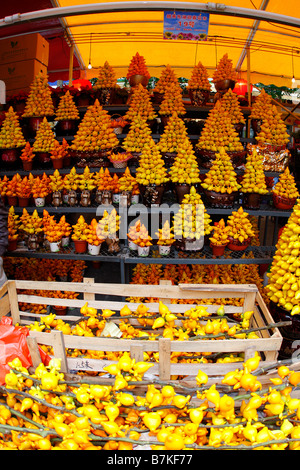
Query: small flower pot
<point>135,80</point>
<point>164,250</point>
<point>181,190</point>
<point>198,96</point>
<point>218,250</point>
<point>9,156</point>
<point>34,124</point>
<point>55,246</point>
<point>23,201</point>
<point>116,198</point>
<point>283,203</point>
<point>65,241</point>
<point>12,200</point>
<point>220,200</point>
<point>135,198</point>
<point>44,158</point>
<point>59,309</point>
<point>94,249</point>
<point>224,85</point>
<point>251,200</point>
<point>80,246</point>
<point>27,165</point>
<point>143,251</point>
<point>39,201</point>
<point>12,245</point>
<point>132,246</point>
<point>66,127</point>
<point>57,163</point>
<point>235,245</point>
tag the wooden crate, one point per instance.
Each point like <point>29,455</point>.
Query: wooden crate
<point>268,344</point>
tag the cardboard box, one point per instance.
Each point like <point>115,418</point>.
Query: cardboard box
<point>19,75</point>
<point>27,47</point>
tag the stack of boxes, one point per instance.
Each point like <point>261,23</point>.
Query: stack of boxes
<point>21,59</point>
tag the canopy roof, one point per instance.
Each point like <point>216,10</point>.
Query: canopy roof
<point>115,36</point>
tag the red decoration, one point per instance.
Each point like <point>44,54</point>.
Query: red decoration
<point>81,83</point>
<point>241,87</point>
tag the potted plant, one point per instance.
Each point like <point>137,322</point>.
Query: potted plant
<point>108,229</point>
<point>32,227</point>
<point>174,135</point>
<point>285,192</point>
<point>70,186</point>
<point>273,132</point>
<point>11,137</point>
<point>220,184</point>
<point>128,184</point>
<point>151,175</point>
<point>166,239</point>
<point>199,85</point>
<point>184,172</point>
<point>137,71</point>
<point>67,114</point>
<point>138,135</point>
<point>167,77</point>
<point>44,142</point>
<point>140,104</point>
<point>192,223</point>
<point>224,77</point>
<point>140,236</point>
<point>27,157</point>
<point>66,230</point>
<point>58,153</point>
<point>219,239</point>
<point>120,159</point>
<point>172,101</point>
<point>54,235</point>
<point>23,191</point>
<point>56,185</point>
<point>13,223</point>
<point>79,235</point>
<point>106,84</point>
<point>253,183</point>
<point>39,191</point>
<point>93,239</point>
<point>231,105</point>
<point>39,103</point>
<point>261,104</point>
<point>240,230</point>
<point>86,184</point>
<point>11,190</point>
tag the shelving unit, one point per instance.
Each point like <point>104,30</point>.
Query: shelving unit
<point>126,259</point>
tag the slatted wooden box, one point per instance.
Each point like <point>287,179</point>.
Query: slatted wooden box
<point>268,344</point>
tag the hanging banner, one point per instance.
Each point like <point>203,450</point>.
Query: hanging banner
<point>187,26</point>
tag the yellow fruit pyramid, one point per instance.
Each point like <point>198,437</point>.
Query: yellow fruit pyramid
<point>231,104</point>
<point>284,278</point>
<point>192,221</point>
<point>151,169</point>
<point>140,104</point>
<point>106,77</point>
<point>138,135</point>
<point>95,132</point>
<point>286,186</point>
<point>185,167</point>
<point>221,177</point>
<point>172,100</point>
<point>167,77</point>
<point>262,103</point>
<point>273,129</point>
<point>175,133</point>
<point>218,131</point>
<point>11,135</point>
<point>199,78</point>
<point>39,102</point>
<point>254,180</point>
<point>240,227</point>
<point>45,138</point>
<point>224,70</point>
<point>66,108</point>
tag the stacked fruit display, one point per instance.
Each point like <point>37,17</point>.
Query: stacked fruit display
<point>39,102</point>
<point>240,230</point>
<point>219,239</point>
<point>184,172</point>
<point>175,133</point>
<point>199,85</point>
<point>44,141</point>
<point>139,238</point>
<point>66,108</point>
<point>191,222</point>
<point>27,157</point>
<point>11,135</point>
<point>127,182</point>
<point>273,130</point>
<point>172,101</point>
<point>231,104</point>
<point>138,71</point>
<point>106,83</point>
<point>262,103</point>
<point>218,131</point>
<point>95,136</point>
<point>224,76</point>
<point>285,192</point>
<point>151,174</point>
<point>220,183</point>
<point>140,104</point>
<point>253,183</point>
<point>168,77</point>
<point>139,134</point>
<point>165,238</point>
<point>13,223</point>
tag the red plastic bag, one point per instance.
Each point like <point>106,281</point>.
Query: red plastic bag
<point>13,344</point>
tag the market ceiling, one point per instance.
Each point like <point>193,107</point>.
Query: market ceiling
<point>269,29</point>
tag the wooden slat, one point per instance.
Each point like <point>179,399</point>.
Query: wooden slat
<point>13,300</point>
<point>4,305</point>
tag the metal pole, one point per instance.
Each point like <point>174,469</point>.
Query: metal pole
<point>71,65</point>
